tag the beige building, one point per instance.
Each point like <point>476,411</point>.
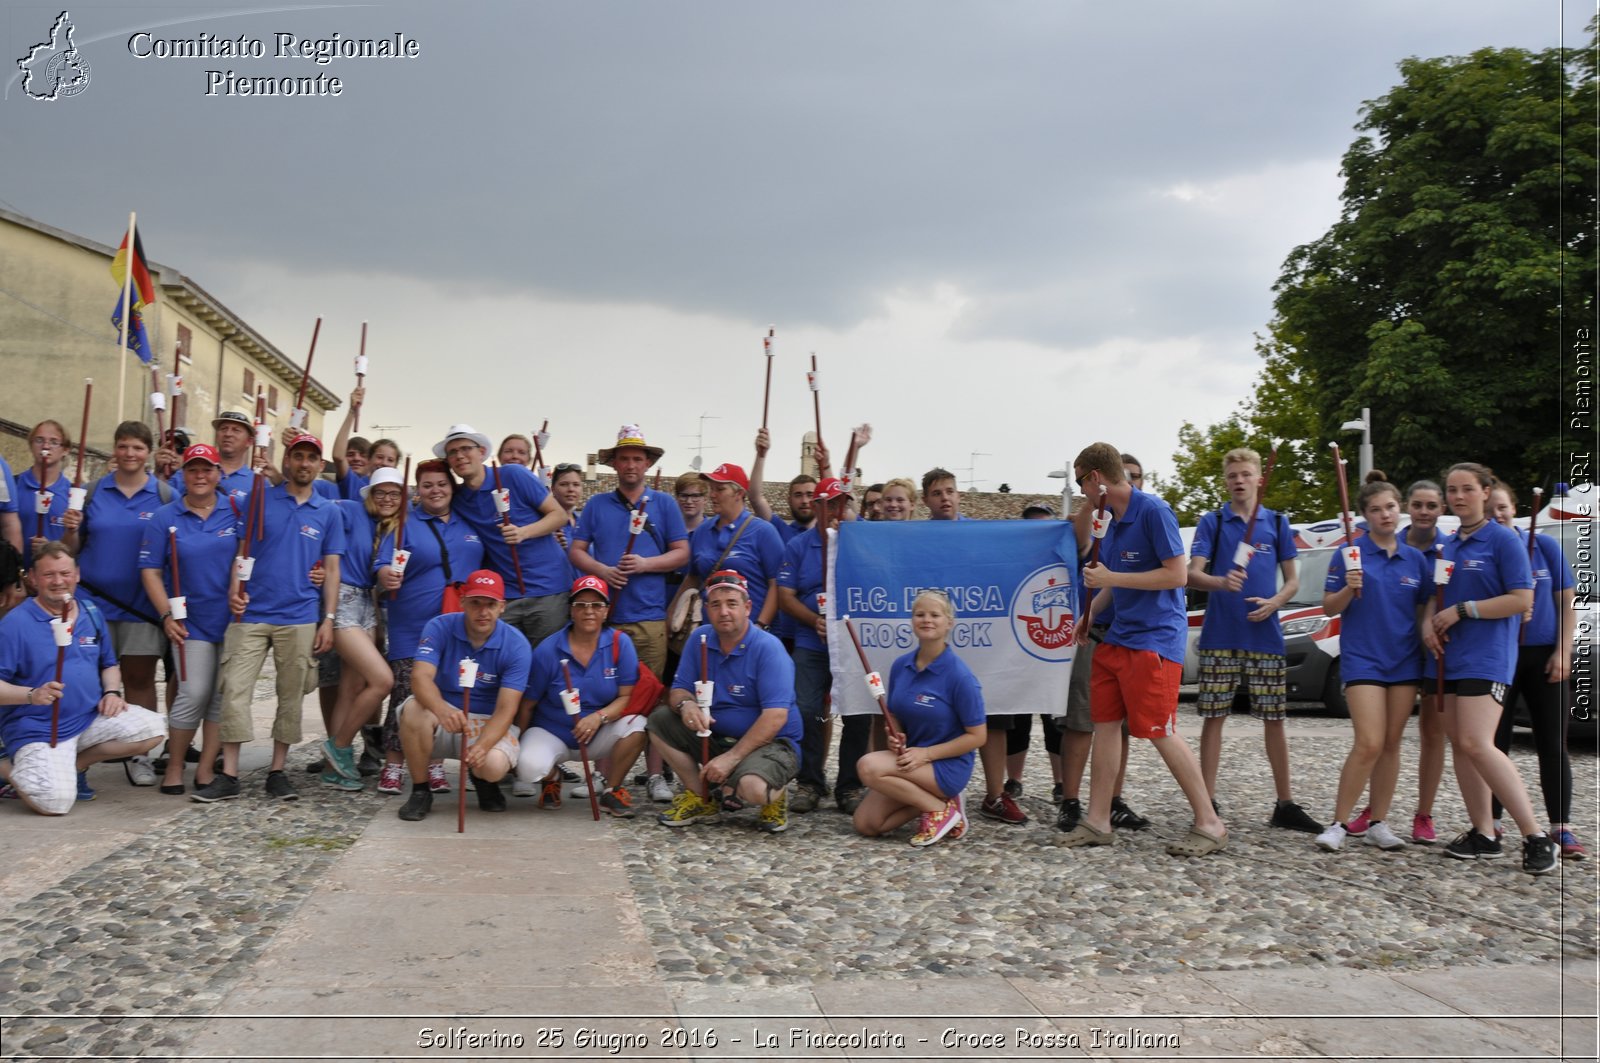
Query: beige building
<point>56,298</point>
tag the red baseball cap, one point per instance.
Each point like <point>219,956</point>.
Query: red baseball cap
<point>304,439</point>
<point>485,584</point>
<point>590,583</point>
<point>728,474</point>
<point>829,489</point>
<point>203,452</point>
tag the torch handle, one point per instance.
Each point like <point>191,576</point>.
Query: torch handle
<point>305,378</point>
<point>538,452</point>
<point>866,669</point>
<point>466,740</point>
<point>361,381</point>
<point>83,435</point>
<point>505,522</point>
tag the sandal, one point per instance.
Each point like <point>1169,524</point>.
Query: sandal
<point>1198,843</point>
<point>1083,834</point>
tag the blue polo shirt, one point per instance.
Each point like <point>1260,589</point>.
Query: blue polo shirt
<point>503,660</point>
<point>1227,624</point>
<point>298,535</point>
<point>757,556</point>
<point>1551,573</point>
<point>1489,563</point>
<point>418,599</point>
<point>25,489</point>
<point>206,549</point>
<point>786,529</point>
<point>350,487</point>
<point>1146,535</point>
<point>614,665</point>
<point>355,564</point>
<point>544,564</point>
<point>802,573</point>
<point>1378,635</point>
<point>8,491</point>
<point>757,675</point>
<point>114,527</point>
<point>28,659</point>
<point>234,485</point>
<point>783,625</point>
<point>937,705</point>
<point>603,527</point>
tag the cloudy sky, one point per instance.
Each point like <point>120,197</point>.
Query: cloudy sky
<point>1005,229</point>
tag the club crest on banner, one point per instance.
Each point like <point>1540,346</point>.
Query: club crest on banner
<point>1042,614</point>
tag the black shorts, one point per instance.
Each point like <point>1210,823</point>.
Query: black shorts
<point>999,723</point>
<point>1476,688</point>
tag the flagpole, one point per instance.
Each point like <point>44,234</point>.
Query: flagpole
<point>127,313</point>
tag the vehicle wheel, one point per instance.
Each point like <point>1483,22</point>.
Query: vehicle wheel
<point>1333,691</point>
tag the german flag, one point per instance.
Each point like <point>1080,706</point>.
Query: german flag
<point>144,293</point>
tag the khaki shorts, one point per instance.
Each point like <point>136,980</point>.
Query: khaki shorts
<point>775,763</point>
<point>447,745</point>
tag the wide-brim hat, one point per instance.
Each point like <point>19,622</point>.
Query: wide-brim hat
<point>460,431</point>
<point>629,435</point>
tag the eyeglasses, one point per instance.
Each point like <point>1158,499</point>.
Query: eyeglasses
<point>465,448</point>
<point>49,442</point>
<point>588,605</point>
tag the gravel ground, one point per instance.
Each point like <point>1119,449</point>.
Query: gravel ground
<point>726,904</point>
<point>171,921</point>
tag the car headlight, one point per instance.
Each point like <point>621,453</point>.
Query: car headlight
<point>1306,626</point>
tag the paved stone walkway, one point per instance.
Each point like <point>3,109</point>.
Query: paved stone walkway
<point>149,926</point>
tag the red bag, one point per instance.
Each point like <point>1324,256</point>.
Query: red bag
<point>450,602</point>
<point>646,692</point>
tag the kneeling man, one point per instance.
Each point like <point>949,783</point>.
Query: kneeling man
<point>753,748</point>
<point>474,652</point>
<point>48,750</point>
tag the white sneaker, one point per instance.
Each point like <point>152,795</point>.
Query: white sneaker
<point>140,773</point>
<point>1332,839</point>
<point>580,790</point>
<point>659,789</point>
<point>524,789</point>
<point>1380,835</point>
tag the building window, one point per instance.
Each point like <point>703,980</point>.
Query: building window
<point>250,384</point>
<point>272,398</point>
<point>185,342</point>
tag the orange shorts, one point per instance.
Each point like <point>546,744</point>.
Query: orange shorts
<point>1139,686</point>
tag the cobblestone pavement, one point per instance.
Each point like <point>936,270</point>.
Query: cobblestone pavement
<point>170,912</point>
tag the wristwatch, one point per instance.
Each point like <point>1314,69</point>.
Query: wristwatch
<point>114,690</point>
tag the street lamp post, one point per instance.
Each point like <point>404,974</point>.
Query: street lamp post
<point>1364,426</point>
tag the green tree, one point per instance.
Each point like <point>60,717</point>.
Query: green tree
<point>1279,415</point>
<point>1438,298</point>
<point>1467,231</point>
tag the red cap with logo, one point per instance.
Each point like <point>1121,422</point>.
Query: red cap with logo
<point>829,489</point>
<point>590,583</point>
<point>203,452</point>
<point>304,439</point>
<point>728,474</point>
<point>485,584</point>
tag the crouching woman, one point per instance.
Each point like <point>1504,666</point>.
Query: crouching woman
<point>938,706</point>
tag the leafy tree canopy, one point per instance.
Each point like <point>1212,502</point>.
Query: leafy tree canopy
<point>1464,250</point>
